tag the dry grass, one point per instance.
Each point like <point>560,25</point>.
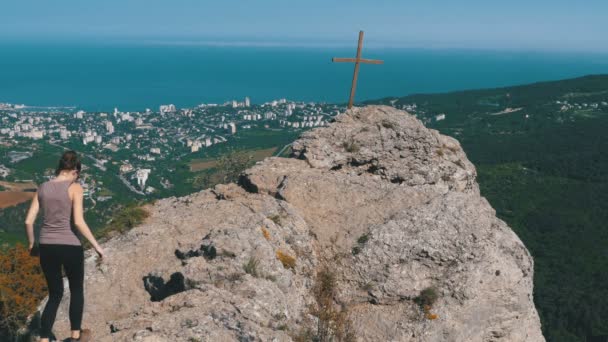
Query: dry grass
<point>266,233</point>
<point>287,260</point>
<point>276,219</point>
<point>333,322</point>
<point>251,267</point>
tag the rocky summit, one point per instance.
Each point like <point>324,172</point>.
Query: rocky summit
<point>375,230</point>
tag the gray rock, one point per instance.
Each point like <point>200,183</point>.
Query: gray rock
<point>390,207</point>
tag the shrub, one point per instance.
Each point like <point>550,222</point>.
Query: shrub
<point>350,146</point>
<point>251,267</point>
<point>363,239</point>
<point>230,165</point>
<point>427,297</point>
<point>124,220</point>
<point>276,219</point>
<point>22,287</point>
<point>333,323</point>
<point>287,260</point>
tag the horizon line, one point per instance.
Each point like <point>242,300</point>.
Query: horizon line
<point>302,42</point>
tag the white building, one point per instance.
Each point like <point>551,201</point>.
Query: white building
<point>232,128</point>
<point>4,171</point>
<point>36,135</point>
<point>167,109</point>
<point>109,127</point>
<point>64,134</point>
<point>155,150</point>
<point>127,167</point>
<point>247,102</point>
<point>142,177</point>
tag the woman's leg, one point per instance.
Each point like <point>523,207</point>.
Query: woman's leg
<point>50,262</point>
<point>74,270</point>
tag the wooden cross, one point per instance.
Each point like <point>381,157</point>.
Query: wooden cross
<point>357,61</point>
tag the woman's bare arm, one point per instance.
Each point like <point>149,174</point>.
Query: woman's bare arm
<point>78,212</point>
<point>32,213</point>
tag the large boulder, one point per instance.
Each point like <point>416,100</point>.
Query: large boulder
<point>388,208</point>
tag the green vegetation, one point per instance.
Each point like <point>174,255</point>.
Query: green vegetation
<point>547,176</point>
<point>251,267</point>
<point>427,297</point>
<point>350,146</point>
<point>124,220</point>
<point>361,241</point>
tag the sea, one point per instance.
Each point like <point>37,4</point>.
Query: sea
<point>102,75</point>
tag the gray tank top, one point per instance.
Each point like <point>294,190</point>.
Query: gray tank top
<point>57,228</point>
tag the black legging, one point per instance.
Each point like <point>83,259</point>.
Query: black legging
<point>52,258</point>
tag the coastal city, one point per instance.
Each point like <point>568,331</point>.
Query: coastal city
<point>136,144</point>
<point>142,148</point>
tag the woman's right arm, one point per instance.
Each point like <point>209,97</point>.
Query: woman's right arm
<point>81,225</point>
<point>30,219</point>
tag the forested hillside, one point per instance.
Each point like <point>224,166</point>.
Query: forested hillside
<point>541,155</point>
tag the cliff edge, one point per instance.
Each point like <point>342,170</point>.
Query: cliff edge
<point>374,231</point>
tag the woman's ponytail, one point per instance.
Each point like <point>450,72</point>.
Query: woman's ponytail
<point>69,161</point>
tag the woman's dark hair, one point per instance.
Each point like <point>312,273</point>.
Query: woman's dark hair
<point>69,161</point>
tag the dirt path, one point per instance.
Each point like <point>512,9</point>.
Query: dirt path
<point>12,198</point>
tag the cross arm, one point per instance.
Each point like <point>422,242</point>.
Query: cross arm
<point>354,60</point>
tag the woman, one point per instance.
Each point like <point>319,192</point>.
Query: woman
<point>61,202</point>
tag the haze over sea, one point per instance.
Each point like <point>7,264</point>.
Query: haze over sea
<point>100,76</point>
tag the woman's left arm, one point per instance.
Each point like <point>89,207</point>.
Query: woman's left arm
<point>30,219</point>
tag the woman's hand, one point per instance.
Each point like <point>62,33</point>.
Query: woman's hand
<point>100,252</point>
<point>31,246</point>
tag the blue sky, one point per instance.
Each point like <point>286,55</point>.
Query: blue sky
<point>519,24</point>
